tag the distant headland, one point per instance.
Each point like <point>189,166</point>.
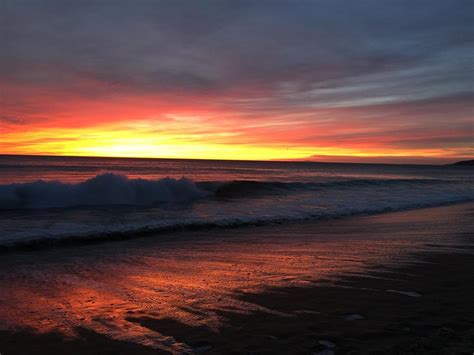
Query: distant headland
<point>464,163</point>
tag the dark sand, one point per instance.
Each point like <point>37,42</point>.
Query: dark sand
<point>425,305</point>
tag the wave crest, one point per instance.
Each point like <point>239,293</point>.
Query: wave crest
<point>111,189</point>
<point>104,189</point>
<point>239,188</point>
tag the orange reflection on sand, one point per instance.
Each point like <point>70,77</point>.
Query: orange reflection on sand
<point>189,278</point>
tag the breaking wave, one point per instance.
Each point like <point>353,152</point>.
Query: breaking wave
<point>255,188</point>
<point>105,189</point>
<point>44,213</point>
<point>113,190</point>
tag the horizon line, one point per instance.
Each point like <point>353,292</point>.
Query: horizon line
<point>302,160</point>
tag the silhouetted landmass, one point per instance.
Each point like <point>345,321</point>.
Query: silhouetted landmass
<point>464,163</point>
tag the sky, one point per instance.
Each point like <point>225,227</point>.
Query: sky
<point>370,81</point>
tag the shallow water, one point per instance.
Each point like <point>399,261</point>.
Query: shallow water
<point>192,276</point>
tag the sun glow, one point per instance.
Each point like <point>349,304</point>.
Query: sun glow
<point>111,141</point>
<point>137,143</point>
<point>150,127</point>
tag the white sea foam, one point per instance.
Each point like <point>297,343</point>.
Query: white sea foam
<point>105,189</point>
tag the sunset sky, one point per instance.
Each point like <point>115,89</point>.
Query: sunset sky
<point>375,81</point>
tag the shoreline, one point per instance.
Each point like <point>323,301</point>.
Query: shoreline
<point>165,231</point>
<point>422,305</point>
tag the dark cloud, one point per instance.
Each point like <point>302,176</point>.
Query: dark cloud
<point>11,120</point>
<point>222,45</point>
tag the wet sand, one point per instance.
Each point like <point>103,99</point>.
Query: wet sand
<point>393,283</point>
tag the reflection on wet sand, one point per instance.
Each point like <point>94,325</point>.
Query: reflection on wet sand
<point>194,278</point>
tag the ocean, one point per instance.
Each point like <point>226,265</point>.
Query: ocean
<point>48,200</point>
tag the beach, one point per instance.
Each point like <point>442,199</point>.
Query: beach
<point>397,282</point>
<point>236,177</point>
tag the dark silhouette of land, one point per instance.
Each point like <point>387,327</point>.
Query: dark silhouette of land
<point>464,163</point>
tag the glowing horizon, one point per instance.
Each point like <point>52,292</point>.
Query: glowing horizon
<point>121,143</point>
<point>230,83</point>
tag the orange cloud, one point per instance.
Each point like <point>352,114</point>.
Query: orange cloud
<point>48,120</point>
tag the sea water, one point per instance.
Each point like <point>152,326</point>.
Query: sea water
<point>57,199</point>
